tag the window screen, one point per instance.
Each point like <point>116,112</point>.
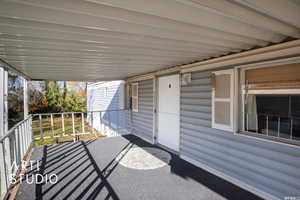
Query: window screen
<point>223,100</point>
<point>274,115</point>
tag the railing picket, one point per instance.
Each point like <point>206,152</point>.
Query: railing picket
<point>73,127</point>
<point>247,119</point>
<point>278,131</point>
<point>31,136</point>
<point>267,126</point>
<point>26,133</point>
<point>13,147</point>
<point>20,132</point>
<point>18,149</point>
<point>8,159</point>
<point>4,166</point>
<point>63,124</point>
<point>92,122</point>
<point>256,123</point>
<point>82,122</point>
<point>291,129</point>
<point>52,125</point>
<point>41,127</point>
<point>100,120</point>
<point>109,122</point>
<point>118,121</point>
<point>15,152</point>
<point>23,138</point>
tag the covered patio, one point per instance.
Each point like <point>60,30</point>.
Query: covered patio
<point>140,42</point>
<point>95,169</point>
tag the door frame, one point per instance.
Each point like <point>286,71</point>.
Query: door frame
<point>155,110</point>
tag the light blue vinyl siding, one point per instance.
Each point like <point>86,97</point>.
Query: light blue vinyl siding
<point>142,121</point>
<point>268,166</point>
<point>104,97</point>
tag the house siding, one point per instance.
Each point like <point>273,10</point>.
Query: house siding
<point>270,167</point>
<point>105,96</point>
<point>142,121</point>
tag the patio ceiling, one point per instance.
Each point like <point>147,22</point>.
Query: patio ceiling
<point>114,39</point>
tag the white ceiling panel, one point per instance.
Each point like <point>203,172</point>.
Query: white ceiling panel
<point>93,40</point>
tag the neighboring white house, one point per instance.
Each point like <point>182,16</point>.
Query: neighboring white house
<point>107,97</point>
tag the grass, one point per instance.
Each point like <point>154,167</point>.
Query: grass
<point>58,131</point>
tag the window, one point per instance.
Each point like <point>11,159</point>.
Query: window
<point>135,97</point>
<point>222,100</point>
<point>272,101</point>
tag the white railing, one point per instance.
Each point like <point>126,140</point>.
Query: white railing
<point>273,125</point>
<point>17,142</point>
<point>74,124</point>
<point>14,146</point>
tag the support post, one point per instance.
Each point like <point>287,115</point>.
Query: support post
<point>26,110</point>
<point>3,101</point>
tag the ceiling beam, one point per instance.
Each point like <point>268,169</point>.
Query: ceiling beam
<point>238,12</point>
<point>41,14</point>
<point>123,15</point>
<point>50,34</point>
<point>135,38</point>
<point>284,10</point>
<point>170,9</point>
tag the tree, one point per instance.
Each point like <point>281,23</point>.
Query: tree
<point>75,103</point>
<point>57,97</point>
<point>54,97</point>
<point>65,91</point>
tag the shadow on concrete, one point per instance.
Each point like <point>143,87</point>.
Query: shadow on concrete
<point>90,170</point>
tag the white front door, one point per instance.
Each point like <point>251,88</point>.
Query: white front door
<point>168,111</point>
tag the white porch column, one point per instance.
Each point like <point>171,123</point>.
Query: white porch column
<point>3,101</point>
<point>3,125</point>
<point>25,84</point>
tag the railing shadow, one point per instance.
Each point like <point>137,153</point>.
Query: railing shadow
<point>79,176</point>
<point>218,185</point>
<point>84,175</point>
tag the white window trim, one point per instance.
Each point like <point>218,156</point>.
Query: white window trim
<point>243,93</point>
<point>231,100</point>
<point>242,83</point>
<point>281,91</point>
<point>135,97</point>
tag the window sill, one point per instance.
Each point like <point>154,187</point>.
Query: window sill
<point>293,143</point>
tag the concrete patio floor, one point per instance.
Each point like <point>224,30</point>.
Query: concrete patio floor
<point>90,170</point>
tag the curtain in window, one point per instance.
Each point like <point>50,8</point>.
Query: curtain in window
<point>251,112</point>
<point>272,78</point>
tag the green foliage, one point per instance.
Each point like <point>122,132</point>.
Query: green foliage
<point>75,103</point>
<point>54,96</point>
<point>57,99</point>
